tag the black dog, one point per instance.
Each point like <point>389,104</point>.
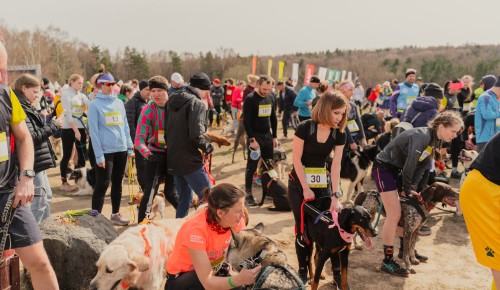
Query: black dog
<point>329,241</point>
<point>274,187</point>
<point>355,166</point>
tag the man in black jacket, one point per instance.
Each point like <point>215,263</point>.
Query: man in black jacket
<point>184,129</point>
<point>287,95</point>
<point>261,124</point>
<point>133,109</point>
<point>217,93</point>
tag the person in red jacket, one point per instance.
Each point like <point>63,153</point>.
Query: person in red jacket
<point>228,94</point>
<point>236,102</point>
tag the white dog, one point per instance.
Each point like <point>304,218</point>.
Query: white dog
<point>83,180</point>
<point>137,257</point>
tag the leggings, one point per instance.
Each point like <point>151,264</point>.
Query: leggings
<point>456,146</point>
<point>187,281</point>
<point>113,172</point>
<point>68,140</point>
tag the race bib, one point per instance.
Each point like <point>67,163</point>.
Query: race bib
<point>410,99</point>
<point>316,177</point>
<point>273,174</point>
<point>4,148</point>
<point>77,110</point>
<point>229,92</point>
<point>498,122</point>
<point>161,137</point>
<point>113,118</point>
<point>425,154</point>
<point>352,126</point>
<point>467,107</point>
<point>265,110</point>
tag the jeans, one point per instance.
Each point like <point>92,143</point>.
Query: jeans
<point>234,114</point>
<point>40,206</point>
<point>196,181</point>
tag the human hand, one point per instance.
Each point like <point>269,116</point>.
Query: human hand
<point>254,144</point>
<point>275,142</point>
<point>364,143</point>
<point>308,194</point>
<point>353,146</point>
<point>247,276</point>
<point>335,205</point>
<point>309,103</point>
<point>24,191</point>
<point>102,164</point>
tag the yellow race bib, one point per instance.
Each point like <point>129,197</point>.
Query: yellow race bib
<point>265,110</point>
<point>113,118</point>
<point>352,126</point>
<point>4,147</point>
<point>425,154</point>
<point>316,177</point>
<point>161,137</point>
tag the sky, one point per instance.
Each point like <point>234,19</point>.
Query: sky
<point>260,27</point>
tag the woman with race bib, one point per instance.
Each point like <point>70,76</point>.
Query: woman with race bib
<point>309,180</point>
<point>111,143</point>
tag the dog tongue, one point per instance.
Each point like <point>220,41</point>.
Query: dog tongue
<point>368,243</point>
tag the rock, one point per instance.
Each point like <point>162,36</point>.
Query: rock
<point>73,249</point>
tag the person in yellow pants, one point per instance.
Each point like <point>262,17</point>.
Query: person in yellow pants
<point>480,202</point>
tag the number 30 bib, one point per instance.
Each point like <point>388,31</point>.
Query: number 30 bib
<point>316,177</point>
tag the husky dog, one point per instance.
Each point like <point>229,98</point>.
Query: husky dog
<point>249,248</point>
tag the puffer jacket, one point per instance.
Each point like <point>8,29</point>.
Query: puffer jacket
<point>45,157</point>
<point>184,129</point>
<point>426,106</point>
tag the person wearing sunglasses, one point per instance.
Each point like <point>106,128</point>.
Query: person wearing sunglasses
<point>111,143</point>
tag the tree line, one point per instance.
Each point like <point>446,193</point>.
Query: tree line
<point>61,55</point>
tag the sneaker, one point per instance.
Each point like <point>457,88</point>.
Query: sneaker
<point>303,276</point>
<point>392,267</point>
<point>283,138</point>
<point>419,257</point>
<point>117,220</point>
<point>68,188</point>
<point>424,231</point>
<point>250,200</point>
<point>456,175</point>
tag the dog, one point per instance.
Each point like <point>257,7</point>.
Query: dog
<point>249,248</point>
<point>274,187</point>
<point>85,180</point>
<point>466,157</point>
<point>219,140</point>
<point>414,212</point>
<point>324,231</point>
<point>158,203</point>
<point>356,168</point>
<point>279,157</point>
<point>137,257</point>
<point>240,140</point>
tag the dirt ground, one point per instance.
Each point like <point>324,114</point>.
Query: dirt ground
<point>451,265</point>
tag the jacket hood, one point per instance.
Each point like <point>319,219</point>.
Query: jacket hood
<point>106,98</point>
<point>424,103</point>
<point>181,97</point>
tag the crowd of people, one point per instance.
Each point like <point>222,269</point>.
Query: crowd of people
<point>159,126</point>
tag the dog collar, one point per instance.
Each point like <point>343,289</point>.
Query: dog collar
<point>346,236</point>
<point>125,285</point>
<point>428,206</point>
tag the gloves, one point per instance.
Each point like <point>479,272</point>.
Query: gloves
<point>208,149</point>
<point>154,157</point>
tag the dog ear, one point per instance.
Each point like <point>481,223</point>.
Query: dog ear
<point>140,263</point>
<point>344,216</point>
<point>259,228</point>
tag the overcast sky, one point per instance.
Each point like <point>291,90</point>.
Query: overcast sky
<point>262,27</point>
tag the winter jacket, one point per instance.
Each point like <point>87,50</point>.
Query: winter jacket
<point>45,157</point>
<point>73,104</point>
<point>305,95</point>
<point>150,135</point>
<point>410,151</point>
<point>288,98</point>
<point>486,118</point>
<point>426,106</point>
<point>237,98</point>
<point>184,129</point>
<point>247,91</point>
<point>354,126</point>
<point>217,94</point>
<point>172,89</point>
<point>134,109</point>
<point>109,130</point>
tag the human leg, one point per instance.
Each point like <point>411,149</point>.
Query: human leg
<point>103,178</point>
<point>119,161</point>
<point>151,168</point>
<point>81,148</point>
<point>185,196</point>
<point>67,139</point>
<point>36,261</point>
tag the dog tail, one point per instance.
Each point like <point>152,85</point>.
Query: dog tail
<point>360,198</point>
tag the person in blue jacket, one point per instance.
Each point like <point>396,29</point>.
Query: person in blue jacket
<point>111,143</point>
<point>487,117</point>
<point>304,98</point>
<point>404,94</point>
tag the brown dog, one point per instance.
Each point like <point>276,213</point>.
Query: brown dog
<point>219,140</point>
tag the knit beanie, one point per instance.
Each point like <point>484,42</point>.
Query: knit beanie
<point>410,71</point>
<point>497,84</point>
<point>201,81</point>
<point>489,81</point>
<point>143,84</point>
<point>433,90</point>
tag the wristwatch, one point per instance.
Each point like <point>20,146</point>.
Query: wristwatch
<point>28,173</point>
<point>337,194</point>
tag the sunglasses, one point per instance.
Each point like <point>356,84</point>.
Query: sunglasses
<point>108,84</point>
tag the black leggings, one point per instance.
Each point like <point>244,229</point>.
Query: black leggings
<point>113,172</point>
<point>266,151</point>
<point>169,189</point>
<point>68,140</point>
<point>187,281</point>
<point>456,146</point>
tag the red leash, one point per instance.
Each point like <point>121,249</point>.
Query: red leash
<point>208,168</point>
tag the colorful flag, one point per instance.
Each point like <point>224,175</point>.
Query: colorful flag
<point>330,76</point>
<point>349,76</point>
<point>309,73</point>
<point>322,73</point>
<point>337,75</point>
<point>280,72</point>
<point>269,67</point>
<point>343,75</point>
<point>295,74</point>
<point>254,64</point>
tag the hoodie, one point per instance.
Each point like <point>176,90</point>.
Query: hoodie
<point>184,129</point>
<point>108,126</point>
<point>426,106</point>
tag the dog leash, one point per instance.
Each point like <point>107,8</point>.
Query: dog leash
<point>131,182</point>
<point>380,208</point>
<point>6,218</point>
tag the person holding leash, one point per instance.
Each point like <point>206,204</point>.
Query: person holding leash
<point>402,164</point>
<point>196,262</point>
<point>313,142</point>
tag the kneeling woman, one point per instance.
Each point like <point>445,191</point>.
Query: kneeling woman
<point>406,158</point>
<point>203,240</point>
<point>313,142</point>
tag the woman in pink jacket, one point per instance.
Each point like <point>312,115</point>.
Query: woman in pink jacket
<point>236,104</point>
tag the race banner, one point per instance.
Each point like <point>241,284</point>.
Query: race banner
<point>322,73</point>
<point>337,75</point>
<point>269,67</point>
<point>309,73</point>
<point>342,78</point>
<point>349,76</point>
<point>295,74</point>
<point>254,64</point>
<point>280,71</point>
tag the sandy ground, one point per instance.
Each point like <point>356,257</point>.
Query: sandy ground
<point>451,265</point>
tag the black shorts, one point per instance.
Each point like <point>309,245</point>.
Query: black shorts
<point>23,230</point>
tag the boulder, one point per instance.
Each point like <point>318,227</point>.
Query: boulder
<point>73,249</point>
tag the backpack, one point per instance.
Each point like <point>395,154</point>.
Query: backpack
<point>403,126</point>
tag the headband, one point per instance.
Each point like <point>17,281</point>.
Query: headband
<point>157,85</point>
<point>412,72</point>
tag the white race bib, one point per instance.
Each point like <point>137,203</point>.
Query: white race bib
<point>316,177</point>
<point>77,110</point>
<point>229,92</point>
<point>161,137</point>
<point>409,100</point>
<point>113,118</point>
<point>265,110</point>
<point>352,126</point>
<point>467,107</point>
<point>4,148</point>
